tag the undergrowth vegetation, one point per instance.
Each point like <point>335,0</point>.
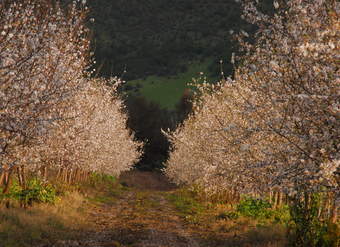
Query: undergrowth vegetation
<point>187,204</point>
<point>56,211</point>
<point>190,203</point>
<point>43,223</point>
<point>253,220</point>
<point>257,214</point>
<point>35,191</point>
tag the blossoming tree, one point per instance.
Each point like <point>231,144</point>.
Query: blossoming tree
<point>51,114</point>
<point>276,125</point>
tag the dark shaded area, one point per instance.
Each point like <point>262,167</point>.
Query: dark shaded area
<point>146,180</point>
<point>159,37</point>
<point>147,120</point>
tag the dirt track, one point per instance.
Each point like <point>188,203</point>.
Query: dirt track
<point>141,217</point>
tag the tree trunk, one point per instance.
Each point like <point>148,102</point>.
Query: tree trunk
<point>8,181</point>
<point>279,200</point>
<point>23,175</point>
<point>2,178</point>
<point>334,211</point>
<point>18,170</point>
<point>275,196</point>
<point>307,201</point>
<point>44,173</point>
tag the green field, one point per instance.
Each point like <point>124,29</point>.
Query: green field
<point>167,91</point>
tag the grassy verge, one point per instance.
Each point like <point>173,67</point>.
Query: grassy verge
<point>187,205</point>
<point>222,225</point>
<point>43,223</point>
<point>102,189</point>
<point>46,222</point>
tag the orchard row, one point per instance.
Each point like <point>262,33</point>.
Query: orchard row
<point>275,126</point>
<point>56,119</point>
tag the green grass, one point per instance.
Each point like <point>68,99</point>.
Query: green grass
<point>186,203</point>
<point>103,189</point>
<point>167,91</point>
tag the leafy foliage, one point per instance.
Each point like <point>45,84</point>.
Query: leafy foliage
<point>254,207</point>
<point>36,191</point>
<point>308,229</point>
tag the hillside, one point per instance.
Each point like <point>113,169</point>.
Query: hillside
<point>160,37</point>
<point>158,46</point>
<point>168,90</point>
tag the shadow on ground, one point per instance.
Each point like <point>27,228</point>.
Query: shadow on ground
<point>144,180</point>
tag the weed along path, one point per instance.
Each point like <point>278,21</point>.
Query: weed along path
<point>147,211</point>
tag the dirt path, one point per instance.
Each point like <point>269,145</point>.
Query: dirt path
<point>143,213</point>
<point>140,217</point>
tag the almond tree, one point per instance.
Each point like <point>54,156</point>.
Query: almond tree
<point>93,137</point>
<point>218,147</point>
<point>294,72</point>
<point>43,54</point>
<point>55,119</point>
<point>276,125</point>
